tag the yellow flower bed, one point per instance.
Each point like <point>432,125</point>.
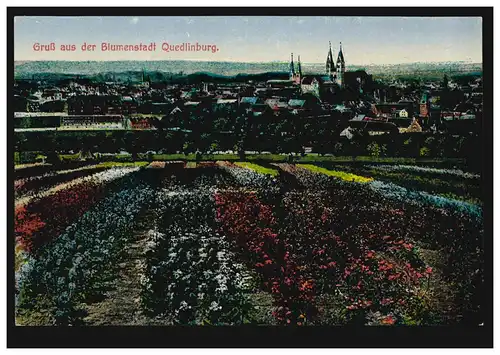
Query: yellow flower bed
<point>258,168</point>
<point>338,174</point>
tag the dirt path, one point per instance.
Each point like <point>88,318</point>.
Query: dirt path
<point>122,304</point>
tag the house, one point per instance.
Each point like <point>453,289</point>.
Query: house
<point>192,103</point>
<point>248,101</point>
<point>279,83</point>
<point>372,126</point>
<point>277,104</point>
<point>310,84</point>
<point>226,102</point>
<point>403,113</point>
<point>296,104</point>
<point>94,104</point>
<point>92,122</point>
<point>128,105</point>
<point>394,110</point>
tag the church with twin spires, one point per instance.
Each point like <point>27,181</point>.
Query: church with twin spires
<point>334,74</point>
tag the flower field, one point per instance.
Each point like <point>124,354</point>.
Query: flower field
<point>219,243</point>
<point>449,183</point>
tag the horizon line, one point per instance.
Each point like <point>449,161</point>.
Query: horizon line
<point>239,62</point>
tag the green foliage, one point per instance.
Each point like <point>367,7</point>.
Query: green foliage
<point>258,168</point>
<point>214,146</point>
<point>338,148</point>
<point>69,157</point>
<point>376,150</point>
<point>425,152</point>
<point>338,174</point>
<point>40,158</point>
<point>28,157</point>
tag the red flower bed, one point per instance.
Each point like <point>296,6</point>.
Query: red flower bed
<point>251,224</point>
<point>44,182</point>
<point>372,270</point>
<point>44,219</point>
<point>301,253</point>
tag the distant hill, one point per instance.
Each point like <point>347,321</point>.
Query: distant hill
<point>155,76</point>
<point>218,71</point>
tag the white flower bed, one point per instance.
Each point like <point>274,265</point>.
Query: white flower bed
<point>400,193</point>
<point>190,272</point>
<point>249,178</point>
<point>422,169</point>
<point>76,264</point>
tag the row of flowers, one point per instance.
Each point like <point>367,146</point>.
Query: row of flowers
<point>47,215</point>
<point>291,244</point>
<point>190,275</point>
<point>37,184</point>
<point>336,173</point>
<point>306,236</point>
<point>247,177</point>
<point>400,193</point>
<point>298,256</point>
<point>423,169</point>
<point>448,226</point>
<point>451,186</point>
<point>77,266</point>
<point>317,179</point>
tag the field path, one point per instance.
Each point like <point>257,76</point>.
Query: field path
<point>122,303</point>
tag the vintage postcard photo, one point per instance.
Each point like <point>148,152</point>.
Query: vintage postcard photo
<point>248,170</point>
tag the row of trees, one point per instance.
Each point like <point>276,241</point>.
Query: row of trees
<point>248,137</point>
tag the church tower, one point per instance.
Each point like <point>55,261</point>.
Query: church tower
<point>330,64</point>
<point>292,69</point>
<point>299,72</point>
<point>340,67</point>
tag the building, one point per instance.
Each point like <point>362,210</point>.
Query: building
<point>331,69</point>
<point>393,110</point>
<point>92,122</point>
<point>335,72</point>
<point>358,80</point>
<point>310,84</point>
<point>334,77</point>
<point>94,104</point>
<point>295,75</point>
<point>340,67</point>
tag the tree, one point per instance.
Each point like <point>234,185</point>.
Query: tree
<point>131,144</point>
<point>374,149</point>
<point>445,82</point>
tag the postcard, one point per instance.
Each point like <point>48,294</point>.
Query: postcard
<point>232,170</point>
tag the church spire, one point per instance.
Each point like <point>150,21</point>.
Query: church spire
<point>340,57</point>
<point>340,67</point>
<point>330,64</point>
<point>292,68</point>
<point>299,68</point>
